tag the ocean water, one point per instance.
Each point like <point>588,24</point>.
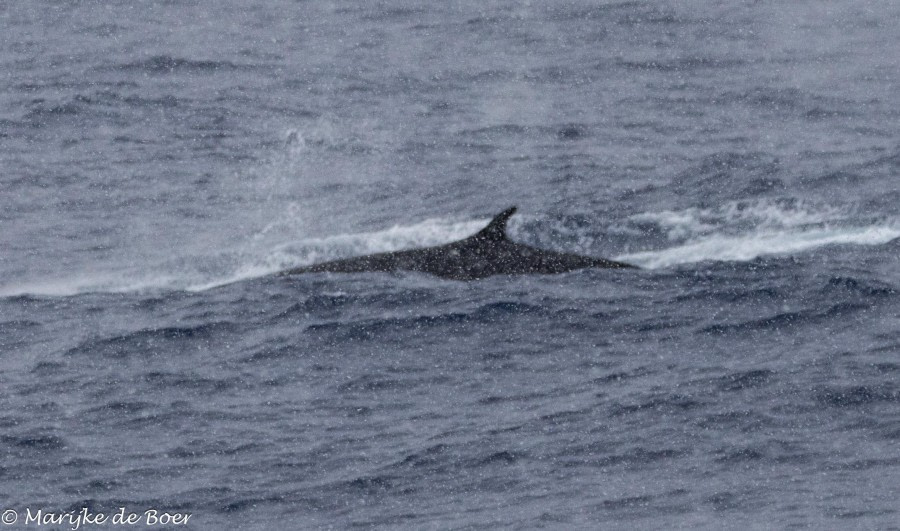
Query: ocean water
<point>160,161</point>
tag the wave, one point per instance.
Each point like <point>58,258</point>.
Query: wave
<point>746,230</point>
<point>200,273</point>
<point>163,64</point>
<point>751,246</point>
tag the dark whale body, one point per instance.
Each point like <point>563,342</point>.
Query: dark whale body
<point>488,252</point>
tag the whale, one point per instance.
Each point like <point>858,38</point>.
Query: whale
<point>486,253</point>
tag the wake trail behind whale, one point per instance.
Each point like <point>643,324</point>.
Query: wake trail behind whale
<point>751,246</point>
<point>745,230</point>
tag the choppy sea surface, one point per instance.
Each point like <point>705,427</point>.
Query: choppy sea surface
<point>160,161</point>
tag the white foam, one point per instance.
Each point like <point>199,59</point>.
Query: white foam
<point>750,246</point>
<point>249,263</point>
<point>745,230</point>
<point>99,282</point>
<point>740,215</point>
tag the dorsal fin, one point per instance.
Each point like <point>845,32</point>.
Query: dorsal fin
<point>496,229</point>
